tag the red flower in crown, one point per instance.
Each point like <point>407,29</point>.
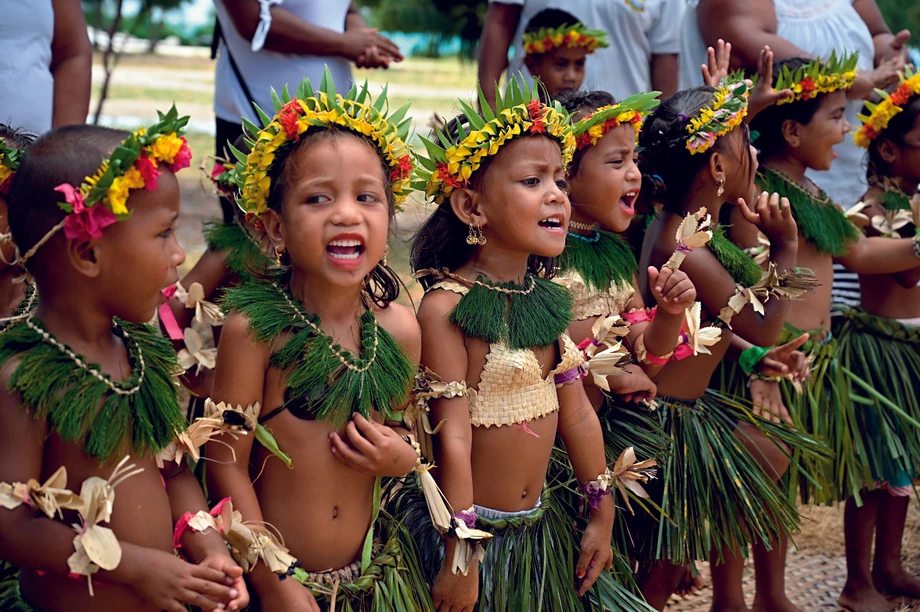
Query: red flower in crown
<point>254,221</point>
<point>583,141</point>
<point>183,158</point>
<point>901,95</point>
<point>288,116</point>
<point>449,179</point>
<point>148,169</point>
<point>402,170</point>
<point>536,116</point>
<point>84,223</point>
<point>808,87</point>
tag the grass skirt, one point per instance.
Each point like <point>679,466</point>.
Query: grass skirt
<point>884,355</point>
<point>10,598</point>
<point>529,564</point>
<point>712,491</point>
<point>824,410</point>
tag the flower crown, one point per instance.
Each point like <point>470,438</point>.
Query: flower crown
<point>880,114</point>
<point>325,108</point>
<point>817,77</point>
<point>518,113</point>
<point>728,110</point>
<point>632,110</point>
<point>575,36</point>
<point>222,175</point>
<point>101,199</point>
<point>9,163</point>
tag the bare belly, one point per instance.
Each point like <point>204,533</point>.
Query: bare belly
<point>813,310</point>
<point>509,464</point>
<point>689,378</point>
<point>883,297</point>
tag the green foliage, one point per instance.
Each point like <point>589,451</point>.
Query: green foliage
<point>902,14</point>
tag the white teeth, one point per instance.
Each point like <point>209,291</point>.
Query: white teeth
<point>345,255</point>
<point>345,243</point>
<point>552,221</point>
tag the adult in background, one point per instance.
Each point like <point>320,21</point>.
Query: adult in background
<point>45,64</point>
<point>264,44</point>
<point>644,38</point>
<point>804,28</point>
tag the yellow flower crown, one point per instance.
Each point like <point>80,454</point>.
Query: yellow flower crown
<point>518,113</point>
<point>817,77</point>
<point>728,110</point>
<point>576,36</point>
<point>882,113</point>
<point>321,109</point>
<point>592,128</point>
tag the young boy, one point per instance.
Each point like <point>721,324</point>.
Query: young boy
<point>557,46</point>
<point>796,134</point>
<point>85,384</point>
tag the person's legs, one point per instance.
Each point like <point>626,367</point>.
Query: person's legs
<point>658,582</point>
<point>727,594</point>
<point>859,523</point>
<point>888,575</point>
<point>226,132</point>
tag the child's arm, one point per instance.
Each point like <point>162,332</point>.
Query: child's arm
<point>581,433</point>
<point>674,293</point>
<point>444,352</point>
<point>239,381</point>
<point>877,255</point>
<point>33,540</point>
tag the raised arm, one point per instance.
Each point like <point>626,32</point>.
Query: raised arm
<point>877,255</point>
<point>500,25</point>
<point>71,64</point>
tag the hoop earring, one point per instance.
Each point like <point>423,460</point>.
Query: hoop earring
<point>472,238</point>
<point>279,252</point>
<point>721,187</point>
<point>386,252</point>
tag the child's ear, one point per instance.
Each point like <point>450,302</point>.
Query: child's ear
<point>717,168</point>
<point>791,134</point>
<point>465,204</point>
<point>887,150</point>
<point>271,220</point>
<point>84,256</point>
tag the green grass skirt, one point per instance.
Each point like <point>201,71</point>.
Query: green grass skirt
<point>10,598</point>
<point>711,489</point>
<point>529,565</point>
<point>884,355</point>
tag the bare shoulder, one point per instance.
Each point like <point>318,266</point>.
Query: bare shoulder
<point>401,323</point>
<point>435,308</point>
<point>238,337</point>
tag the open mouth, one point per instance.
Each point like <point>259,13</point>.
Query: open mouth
<point>552,224</point>
<point>628,202</point>
<point>345,250</point>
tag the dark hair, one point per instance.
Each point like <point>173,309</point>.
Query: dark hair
<point>63,155</point>
<point>668,168</point>
<point>15,138</point>
<point>898,127</point>
<point>587,101</point>
<point>550,18</point>
<point>382,286</point>
<point>440,242</point>
<point>769,123</point>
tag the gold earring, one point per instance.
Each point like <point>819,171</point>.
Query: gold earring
<point>472,238</point>
<point>721,187</point>
<point>482,237</point>
<point>386,252</point>
<point>279,251</point>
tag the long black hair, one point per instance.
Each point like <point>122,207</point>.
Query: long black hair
<point>668,168</point>
<point>440,242</point>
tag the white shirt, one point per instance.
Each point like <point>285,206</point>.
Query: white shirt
<point>26,83</point>
<point>636,30</point>
<point>264,70</point>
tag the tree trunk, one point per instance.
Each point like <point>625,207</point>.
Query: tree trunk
<point>109,59</point>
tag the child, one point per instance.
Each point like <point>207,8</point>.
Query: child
<point>697,146</point>
<point>85,383</point>
<point>796,134</point>
<point>879,344</point>
<point>494,330</point>
<point>556,46</point>
<point>17,298</point>
<point>322,356</point>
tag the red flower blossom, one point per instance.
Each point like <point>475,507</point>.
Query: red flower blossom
<point>808,86</point>
<point>148,169</point>
<point>288,115</point>
<point>548,44</point>
<point>583,141</point>
<point>402,170</point>
<point>449,179</point>
<point>183,158</point>
<point>254,221</point>
<point>536,116</point>
<point>901,95</point>
<point>88,224</point>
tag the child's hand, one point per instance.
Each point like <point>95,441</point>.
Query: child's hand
<point>786,360</point>
<point>768,401</point>
<point>633,387</point>
<point>673,290</point>
<point>773,217</point>
<point>373,448</point>
<point>596,554</point>
<point>868,81</point>
<point>289,596</point>
<point>455,592</point>
<point>763,95</point>
<point>716,67</point>
<point>224,563</point>
<point>168,583</point>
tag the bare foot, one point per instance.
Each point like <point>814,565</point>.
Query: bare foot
<point>897,583</point>
<point>690,584</point>
<point>781,604</point>
<point>863,599</point>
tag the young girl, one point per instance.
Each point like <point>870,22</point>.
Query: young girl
<point>880,345</point>
<point>557,46</point>
<point>494,330</point>
<point>86,383</point>
<point>698,147</point>
<point>320,356</point>
<point>795,135</point>
<point>16,298</point>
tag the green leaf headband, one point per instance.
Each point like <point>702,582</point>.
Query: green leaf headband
<point>632,110</point>
<point>575,36</point>
<point>519,112</point>
<point>9,164</point>
<point>817,77</point>
<point>728,110</point>
<point>325,108</point>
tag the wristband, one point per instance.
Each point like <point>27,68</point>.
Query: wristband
<point>751,357</point>
<point>647,358</point>
<point>595,490</point>
<point>570,375</point>
<point>418,452</point>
